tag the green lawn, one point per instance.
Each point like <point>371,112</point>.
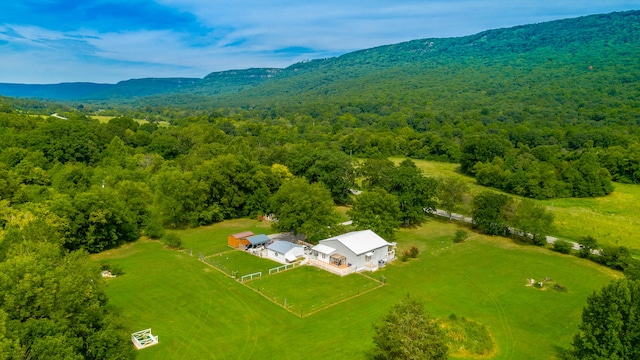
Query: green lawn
<point>201,313</point>
<point>212,239</point>
<point>306,289</point>
<point>241,263</point>
<point>613,219</point>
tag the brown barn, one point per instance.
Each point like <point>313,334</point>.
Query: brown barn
<point>239,240</point>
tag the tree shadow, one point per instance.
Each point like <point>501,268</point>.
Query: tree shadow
<point>562,353</point>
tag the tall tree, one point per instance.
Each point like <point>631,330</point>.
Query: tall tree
<point>451,193</point>
<point>414,191</point>
<point>408,332</point>
<point>304,208</point>
<point>52,303</point>
<point>489,212</point>
<point>534,220</point>
<point>610,327</point>
<point>377,210</point>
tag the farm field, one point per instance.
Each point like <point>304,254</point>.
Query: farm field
<point>105,119</point>
<point>612,219</point>
<point>199,312</point>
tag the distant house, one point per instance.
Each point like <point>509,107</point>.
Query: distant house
<point>284,251</point>
<point>357,251</point>
<point>239,240</point>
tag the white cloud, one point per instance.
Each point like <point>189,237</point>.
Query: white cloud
<point>249,33</point>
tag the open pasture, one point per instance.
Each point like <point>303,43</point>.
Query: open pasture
<point>198,312</point>
<point>240,263</point>
<point>105,119</point>
<point>613,219</point>
<point>306,290</point>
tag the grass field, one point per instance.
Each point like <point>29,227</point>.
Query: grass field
<point>201,313</point>
<point>613,219</point>
<point>241,263</point>
<point>105,119</point>
<point>305,290</point>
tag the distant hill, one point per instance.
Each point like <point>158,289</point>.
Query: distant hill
<point>573,58</point>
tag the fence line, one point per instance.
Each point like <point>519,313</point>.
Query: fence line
<point>281,268</point>
<point>251,276</point>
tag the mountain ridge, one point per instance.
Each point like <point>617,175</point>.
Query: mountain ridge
<point>489,47</point>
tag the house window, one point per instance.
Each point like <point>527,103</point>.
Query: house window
<point>324,256</point>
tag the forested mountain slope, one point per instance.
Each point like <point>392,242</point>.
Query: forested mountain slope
<point>593,57</point>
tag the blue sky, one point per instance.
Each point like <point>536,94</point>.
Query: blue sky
<point>106,41</point>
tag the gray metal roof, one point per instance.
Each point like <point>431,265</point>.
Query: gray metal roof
<point>258,239</point>
<point>282,246</point>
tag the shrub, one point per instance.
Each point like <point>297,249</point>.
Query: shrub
<point>154,229</point>
<point>558,287</point>
<point>113,269</point>
<point>413,252</point>
<point>461,236</point>
<point>172,240</point>
<point>405,256</point>
<point>562,246</point>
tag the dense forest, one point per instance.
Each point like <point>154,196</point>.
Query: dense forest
<point>542,111</point>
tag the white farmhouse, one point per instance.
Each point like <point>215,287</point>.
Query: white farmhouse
<point>354,251</point>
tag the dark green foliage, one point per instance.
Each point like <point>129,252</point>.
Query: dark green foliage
<point>482,148</point>
<point>113,269</point>
<point>562,246</point>
<point>52,305</point>
<point>415,192</point>
<point>587,245</point>
<point>336,172</point>
<point>407,332</point>
<point>303,208</point>
<point>98,219</point>
<point>376,210</point>
<point>67,141</point>
<point>153,228</point>
<point>534,221</point>
<point>172,240</point>
<point>460,236</point>
<point>413,252</point>
<point>587,178</point>
<point>632,269</point>
<point>490,212</point>
<point>615,257</point>
<point>610,327</point>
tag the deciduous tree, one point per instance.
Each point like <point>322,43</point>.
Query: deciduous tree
<point>408,332</point>
<point>377,210</point>
<point>304,208</point>
<point>610,327</point>
<point>489,212</point>
<point>451,193</point>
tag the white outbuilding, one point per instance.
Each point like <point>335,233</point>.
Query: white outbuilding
<point>284,251</point>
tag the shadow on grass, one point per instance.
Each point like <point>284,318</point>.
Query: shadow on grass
<point>562,353</point>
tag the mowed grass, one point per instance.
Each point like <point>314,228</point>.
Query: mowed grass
<point>304,290</point>
<point>209,240</point>
<point>200,313</point>
<point>613,219</point>
<point>240,263</point>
